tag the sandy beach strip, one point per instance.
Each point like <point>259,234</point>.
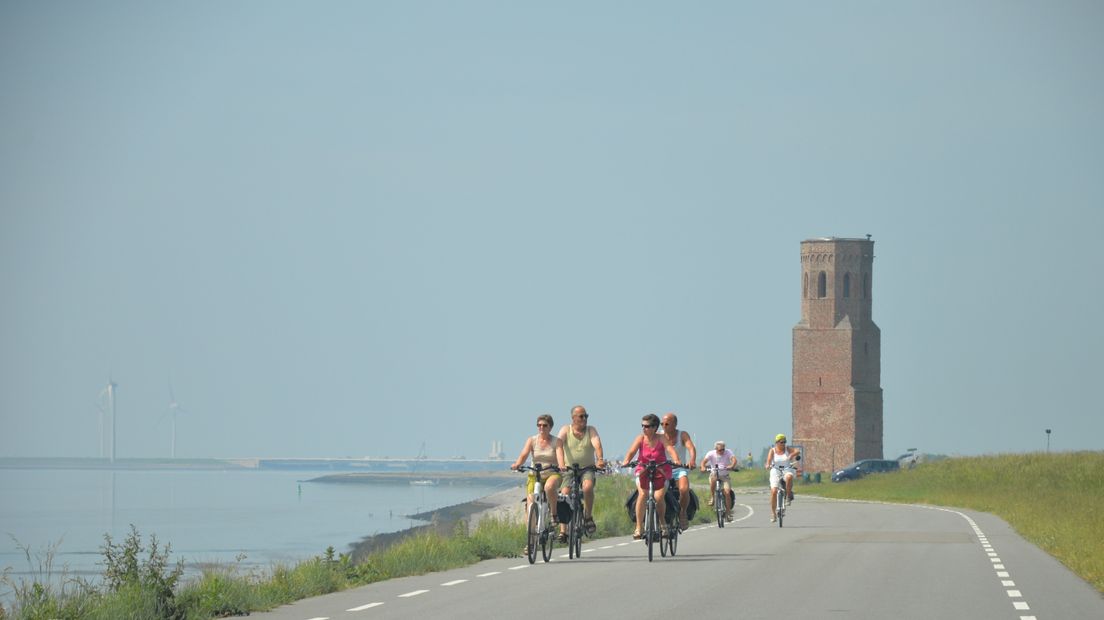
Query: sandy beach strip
<point>506,504</point>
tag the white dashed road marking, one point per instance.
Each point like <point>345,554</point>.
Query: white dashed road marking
<point>994,559</point>
<point>414,593</point>
<point>489,574</point>
<point>363,607</point>
<point>453,582</point>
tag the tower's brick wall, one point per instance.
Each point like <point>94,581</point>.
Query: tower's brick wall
<point>837,397</point>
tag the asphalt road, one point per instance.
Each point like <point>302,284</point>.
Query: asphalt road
<point>833,559</point>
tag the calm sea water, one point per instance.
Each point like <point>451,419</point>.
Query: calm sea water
<point>208,516</point>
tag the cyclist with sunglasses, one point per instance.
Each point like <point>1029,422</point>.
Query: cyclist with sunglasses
<point>651,447</point>
<point>784,458</point>
<point>546,449</point>
<point>581,445</point>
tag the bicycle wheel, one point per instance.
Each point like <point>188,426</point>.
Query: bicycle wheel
<point>672,543</point>
<point>574,531</point>
<point>533,535</point>
<point>663,542</point>
<point>781,504</point>
<point>579,530</point>
<point>719,504</point>
<point>548,539</point>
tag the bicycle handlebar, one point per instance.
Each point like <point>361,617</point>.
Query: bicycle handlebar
<point>654,464</point>
<point>538,468</point>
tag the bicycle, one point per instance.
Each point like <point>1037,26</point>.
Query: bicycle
<point>673,512</point>
<point>780,496</point>
<point>539,530</point>
<point>720,499</point>
<point>650,530</point>
<point>575,527</point>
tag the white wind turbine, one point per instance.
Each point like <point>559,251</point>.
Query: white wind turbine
<point>100,408</point>
<point>107,398</point>
<point>174,408</point>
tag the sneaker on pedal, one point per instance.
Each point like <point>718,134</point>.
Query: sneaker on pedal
<point>728,517</point>
<point>709,502</point>
<point>789,501</point>
<point>773,518</point>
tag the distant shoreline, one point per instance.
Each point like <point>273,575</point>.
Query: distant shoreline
<point>434,478</point>
<point>367,465</point>
<point>504,504</point>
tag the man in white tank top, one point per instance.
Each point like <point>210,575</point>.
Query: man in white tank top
<point>688,455</point>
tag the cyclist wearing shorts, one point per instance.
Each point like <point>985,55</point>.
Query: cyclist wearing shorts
<point>724,458</point>
<point>546,449</point>
<point>682,444</point>
<point>784,457</point>
<point>581,445</point>
<point>651,447</point>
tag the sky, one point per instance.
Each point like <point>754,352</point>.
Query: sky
<point>390,228</point>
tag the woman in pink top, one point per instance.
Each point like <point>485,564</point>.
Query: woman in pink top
<point>651,448</point>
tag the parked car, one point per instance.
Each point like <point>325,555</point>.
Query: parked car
<point>908,460</point>
<point>858,469</point>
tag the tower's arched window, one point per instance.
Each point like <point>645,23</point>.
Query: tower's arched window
<point>866,285</point>
<point>846,285</point>
<point>822,285</point>
<point>805,285</point>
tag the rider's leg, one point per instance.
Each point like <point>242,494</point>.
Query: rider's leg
<point>728,496</point>
<point>588,497</point>
<point>661,505</point>
<point>712,487</point>
<point>551,487</point>
<point>641,494</point>
<point>789,487</point>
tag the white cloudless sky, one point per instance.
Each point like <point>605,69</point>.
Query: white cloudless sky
<point>354,228</point>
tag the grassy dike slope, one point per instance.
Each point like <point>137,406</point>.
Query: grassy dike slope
<point>1056,501</point>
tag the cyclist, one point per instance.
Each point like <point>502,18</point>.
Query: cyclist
<point>582,445</point>
<point>546,449</point>
<point>682,443</point>
<point>651,448</point>
<point>726,459</point>
<point>780,455</point>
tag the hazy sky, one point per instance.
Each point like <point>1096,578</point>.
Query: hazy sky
<point>348,228</point>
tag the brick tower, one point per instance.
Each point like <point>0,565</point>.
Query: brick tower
<point>837,394</point>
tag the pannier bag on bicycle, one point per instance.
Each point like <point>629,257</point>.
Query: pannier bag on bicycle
<point>563,509</point>
<point>672,504</point>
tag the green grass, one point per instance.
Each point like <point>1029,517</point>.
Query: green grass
<point>1056,501</point>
